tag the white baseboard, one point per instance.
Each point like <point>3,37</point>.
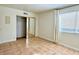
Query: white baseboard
<point>7,41</point>
<point>77,49</point>
<point>47,39</point>
<point>69,46</point>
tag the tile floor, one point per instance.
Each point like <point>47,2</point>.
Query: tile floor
<point>37,46</point>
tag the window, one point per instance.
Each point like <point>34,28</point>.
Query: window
<point>77,23</point>
<point>67,22</point>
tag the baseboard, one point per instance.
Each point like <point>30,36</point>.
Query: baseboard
<point>65,45</point>
<point>47,39</point>
<point>68,46</point>
<point>31,35</point>
<point>7,41</point>
<point>21,37</point>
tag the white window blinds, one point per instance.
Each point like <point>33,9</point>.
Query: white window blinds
<point>77,23</point>
<point>67,22</point>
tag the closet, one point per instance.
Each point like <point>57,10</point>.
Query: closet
<point>21,27</point>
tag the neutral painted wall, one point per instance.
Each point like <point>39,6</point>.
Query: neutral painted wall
<point>36,25</point>
<point>46,25</point>
<point>69,39</point>
<point>32,26</point>
<point>8,31</point>
<point>21,26</point>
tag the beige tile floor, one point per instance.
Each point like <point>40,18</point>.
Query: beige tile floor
<point>37,46</point>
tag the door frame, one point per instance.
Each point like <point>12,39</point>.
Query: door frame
<point>27,28</point>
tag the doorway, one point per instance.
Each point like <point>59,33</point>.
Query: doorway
<point>21,27</point>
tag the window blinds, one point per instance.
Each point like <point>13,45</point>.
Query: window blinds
<point>69,22</point>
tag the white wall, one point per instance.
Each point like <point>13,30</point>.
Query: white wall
<point>46,25</point>
<point>8,31</point>
<point>69,39</point>
<point>32,26</point>
<point>36,25</point>
<point>21,26</point>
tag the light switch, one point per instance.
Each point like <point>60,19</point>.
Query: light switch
<point>0,29</point>
<point>7,19</point>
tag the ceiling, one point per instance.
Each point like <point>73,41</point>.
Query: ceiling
<point>36,7</point>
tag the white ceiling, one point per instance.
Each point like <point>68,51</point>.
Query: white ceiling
<point>36,7</point>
